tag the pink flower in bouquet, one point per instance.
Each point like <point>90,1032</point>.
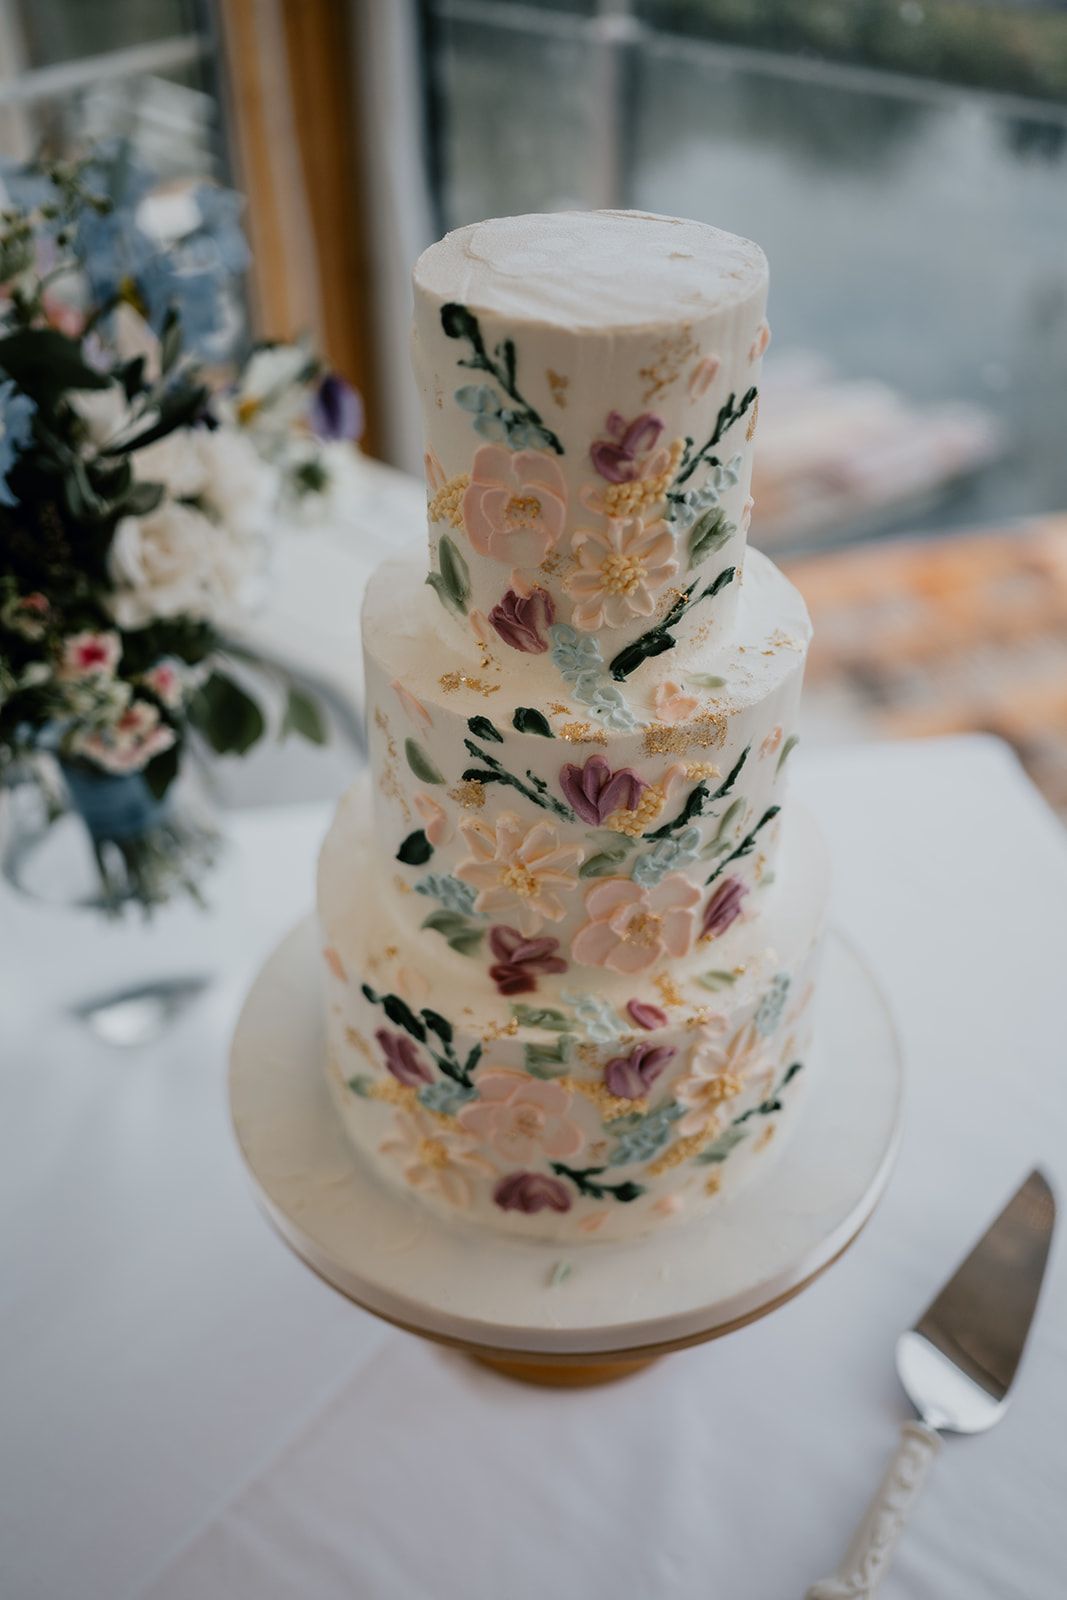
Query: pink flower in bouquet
<point>631,1077</point>
<point>596,793</point>
<point>130,743</point>
<point>402,1059</point>
<point>531,1192</point>
<point>167,682</point>
<point>519,960</point>
<point>631,927</point>
<point>26,614</point>
<point>520,1117</point>
<point>515,505</point>
<point>89,655</point>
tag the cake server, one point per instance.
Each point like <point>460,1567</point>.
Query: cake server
<point>957,1365</point>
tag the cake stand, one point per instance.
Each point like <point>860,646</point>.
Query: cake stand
<point>565,1314</point>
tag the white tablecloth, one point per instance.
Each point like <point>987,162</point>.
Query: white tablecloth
<point>188,1414</point>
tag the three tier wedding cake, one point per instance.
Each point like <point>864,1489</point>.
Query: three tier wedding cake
<point>570,929</point>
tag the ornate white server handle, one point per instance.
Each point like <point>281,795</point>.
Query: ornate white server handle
<point>867,1559</point>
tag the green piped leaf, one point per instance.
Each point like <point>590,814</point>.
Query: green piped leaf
<point>659,639</point>
<point>705,680</point>
<point>716,980</point>
<point>728,1140</point>
<point>527,720</point>
<point>709,533</point>
<point>548,1060</point>
<point>482,728</point>
<point>420,763</point>
<point>400,1012</point>
<point>541,1017</point>
<point>452,582</point>
<point>604,862</point>
<point>438,1024</point>
<point>361,1084</point>
<point>416,849</point>
<point>462,936</point>
<point>789,746</point>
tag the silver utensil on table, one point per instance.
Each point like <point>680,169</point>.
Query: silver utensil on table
<point>957,1365</point>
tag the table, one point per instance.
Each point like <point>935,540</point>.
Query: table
<point>188,1414</point>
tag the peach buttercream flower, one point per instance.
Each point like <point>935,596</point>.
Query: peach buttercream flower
<point>412,705</point>
<point>672,704</point>
<point>518,871</point>
<point>521,1118</point>
<point>515,505</point>
<point>631,927</point>
<point>435,822</point>
<point>435,1160</point>
<point>717,1073</point>
<point>621,570</point>
<point>703,376</point>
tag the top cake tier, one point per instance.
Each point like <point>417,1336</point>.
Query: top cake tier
<point>588,382</point>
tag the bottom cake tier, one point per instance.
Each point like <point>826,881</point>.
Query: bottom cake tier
<point>555,1109</point>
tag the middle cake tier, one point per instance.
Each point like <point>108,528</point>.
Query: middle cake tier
<point>509,811</point>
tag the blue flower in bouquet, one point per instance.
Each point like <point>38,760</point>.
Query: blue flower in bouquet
<point>194,275</point>
<point>16,429</point>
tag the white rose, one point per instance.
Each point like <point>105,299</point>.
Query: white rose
<point>175,562</point>
<point>175,462</point>
<point>239,488</point>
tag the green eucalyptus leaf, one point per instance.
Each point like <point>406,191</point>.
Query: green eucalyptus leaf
<point>45,363</point>
<point>302,716</point>
<point>228,718</point>
<point>420,763</point>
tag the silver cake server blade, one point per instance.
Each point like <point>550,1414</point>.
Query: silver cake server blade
<point>957,1365</point>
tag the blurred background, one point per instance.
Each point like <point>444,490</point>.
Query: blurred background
<point>903,163</point>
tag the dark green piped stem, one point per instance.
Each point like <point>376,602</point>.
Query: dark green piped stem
<point>699,797</point>
<point>493,772</point>
<point>583,1182</point>
<point>459,323</point>
<point>402,1016</point>
<point>659,639</point>
<point>728,415</point>
<point>747,844</point>
<point>767,1107</point>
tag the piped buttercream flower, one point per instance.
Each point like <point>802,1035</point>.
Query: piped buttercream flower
<point>631,927</point>
<point>723,909</point>
<point>436,1160</point>
<point>518,871</point>
<point>521,614</point>
<point>402,1059</point>
<point>621,569</point>
<point>434,817</point>
<point>531,1192</point>
<point>717,1074</point>
<point>521,961</point>
<point>595,792</point>
<point>521,1118</point>
<point>515,505</point>
<point>631,1077</point>
<point>672,704</point>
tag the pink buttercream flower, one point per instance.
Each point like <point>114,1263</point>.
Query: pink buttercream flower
<point>518,870</point>
<point>402,1059</point>
<point>772,741</point>
<point>617,458</point>
<point>645,1015</point>
<point>435,821</point>
<point>703,376</point>
<point>436,1160</point>
<point>760,342</point>
<point>621,569</point>
<point>515,506</point>
<point>631,927</point>
<point>724,908</point>
<point>335,964</point>
<point>412,705</point>
<point>531,1192</point>
<point>596,793</point>
<point>717,1074</point>
<point>631,1077</point>
<point>672,704</point>
<point>89,655</point>
<point>521,1118</point>
<point>518,618</point>
<point>520,961</point>
<point>746,514</point>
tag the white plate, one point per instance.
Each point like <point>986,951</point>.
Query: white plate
<point>496,1294</point>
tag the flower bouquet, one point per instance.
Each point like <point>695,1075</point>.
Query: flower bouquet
<point>137,501</point>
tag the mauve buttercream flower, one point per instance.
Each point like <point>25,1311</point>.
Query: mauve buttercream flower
<point>645,1015</point>
<point>519,961</point>
<point>595,792</point>
<point>616,459</point>
<point>402,1059</point>
<point>518,618</point>
<point>723,908</point>
<point>631,1077</point>
<point>530,1192</point>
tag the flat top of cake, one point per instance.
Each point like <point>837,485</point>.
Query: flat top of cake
<point>592,270</point>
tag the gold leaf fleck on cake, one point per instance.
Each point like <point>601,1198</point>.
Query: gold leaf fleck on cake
<point>401,886</point>
<point>609,1105</point>
<point>784,641</point>
<point>705,731</point>
<point>765,1137</point>
<point>447,503</point>
<point>451,681</point>
<point>753,415</point>
<point>558,709</point>
<point>390,952</point>
<point>391,788</point>
<point>496,1030</point>
<point>682,1150</point>
<point>669,991</point>
<point>558,386</point>
<point>582,733</point>
<point>357,1041</point>
<point>589,1054</point>
<point>713,1183</point>
<point>393,1093</point>
<point>470,794</point>
<point>555,563</point>
<point>701,1017</point>
<point>664,369</point>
